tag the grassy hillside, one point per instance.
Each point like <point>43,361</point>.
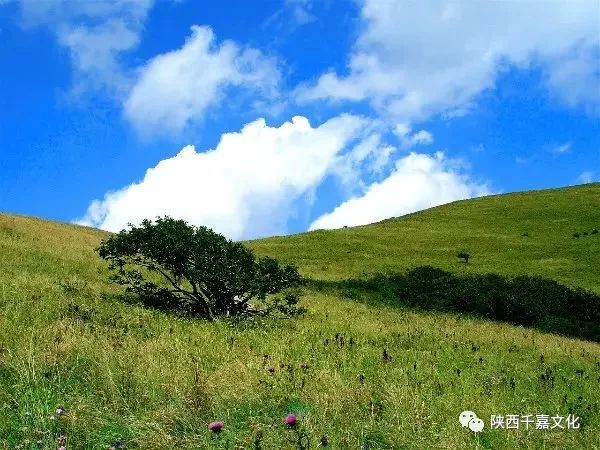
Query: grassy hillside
<point>358,372</point>
<point>490,228</point>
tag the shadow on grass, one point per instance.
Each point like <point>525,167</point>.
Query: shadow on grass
<point>535,302</point>
<point>245,321</point>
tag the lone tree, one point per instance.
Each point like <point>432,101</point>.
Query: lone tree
<point>172,265</point>
<point>464,255</point>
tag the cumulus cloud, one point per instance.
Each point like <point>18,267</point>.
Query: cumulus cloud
<point>175,87</point>
<point>96,34</point>
<point>247,186</point>
<point>416,59</point>
<point>370,156</point>
<point>418,181</point>
<point>168,91</point>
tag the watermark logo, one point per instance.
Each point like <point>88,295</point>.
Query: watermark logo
<point>468,419</point>
<point>536,422</point>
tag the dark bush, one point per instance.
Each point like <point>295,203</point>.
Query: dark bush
<point>576,235</point>
<point>175,266</point>
<point>464,255</point>
<point>425,286</point>
<point>595,231</point>
<point>523,300</point>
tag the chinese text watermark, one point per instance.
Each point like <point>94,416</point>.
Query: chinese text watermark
<point>468,419</point>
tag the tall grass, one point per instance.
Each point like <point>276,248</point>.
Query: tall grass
<point>353,370</point>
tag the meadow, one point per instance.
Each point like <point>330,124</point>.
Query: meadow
<point>358,373</point>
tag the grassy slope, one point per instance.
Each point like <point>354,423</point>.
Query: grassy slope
<point>156,380</point>
<point>489,228</point>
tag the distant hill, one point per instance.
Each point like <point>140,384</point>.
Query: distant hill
<point>490,228</point>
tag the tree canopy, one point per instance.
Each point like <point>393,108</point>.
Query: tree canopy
<point>173,265</point>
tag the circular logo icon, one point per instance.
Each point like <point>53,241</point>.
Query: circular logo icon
<point>465,417</point>
<point>476,425</point>
<point>468,419</point>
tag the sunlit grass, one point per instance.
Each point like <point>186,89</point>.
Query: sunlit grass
<point>353,370</point>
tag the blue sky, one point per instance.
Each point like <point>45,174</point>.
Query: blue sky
<point>274,117</point>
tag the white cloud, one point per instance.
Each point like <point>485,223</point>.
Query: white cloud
<point>96,35</point>
<point>585,177</point>
<point>56,12</point>
<point>575,79</point>
<point>94,55</point>
<point>409,139</point>
<point>246,187</point>
<point>419,181</point>
<point>562,148</point>
<point>291,15</point>
<point>169,90</point>
<point>416,59</point>
<point>176,87</point>
<point>524,159</point>
<point>371,155</point>
<point>301,11</point>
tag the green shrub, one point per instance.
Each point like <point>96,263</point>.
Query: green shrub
<point>175,266</point>
<point>464,255</point>
<point>524,300</point>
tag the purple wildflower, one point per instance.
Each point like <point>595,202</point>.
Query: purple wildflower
<point>290,420</point>
<point>215,426</point>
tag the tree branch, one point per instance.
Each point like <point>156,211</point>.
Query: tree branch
<point>202,298</point>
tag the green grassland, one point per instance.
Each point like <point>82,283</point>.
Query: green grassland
<point>361,373</point>
<point>490,228</point>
